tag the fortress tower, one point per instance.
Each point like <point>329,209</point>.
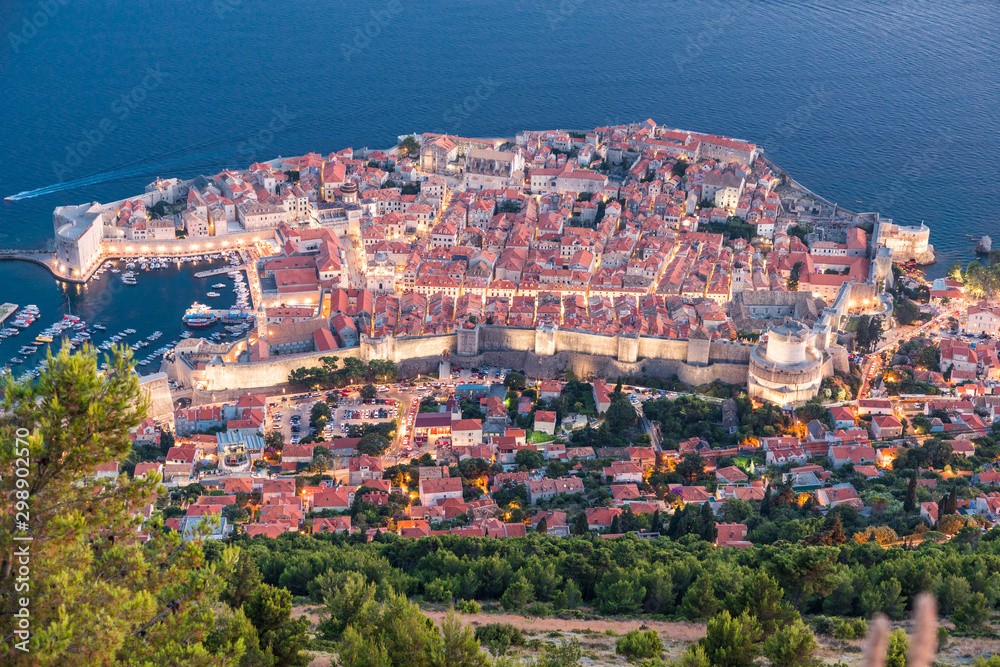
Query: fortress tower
<point>786,369</point>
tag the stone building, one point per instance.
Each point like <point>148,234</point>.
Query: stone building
<point>787,368</point>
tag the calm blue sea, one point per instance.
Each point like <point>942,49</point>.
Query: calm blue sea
<point>890,103</point>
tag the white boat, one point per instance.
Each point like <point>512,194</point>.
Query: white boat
<point>218,286</point>
<point>213,294</point>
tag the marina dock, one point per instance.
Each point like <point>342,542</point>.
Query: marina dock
<point>6,310</point>
<point>218,272</point>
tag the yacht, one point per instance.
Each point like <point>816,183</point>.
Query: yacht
<point>213,294</point>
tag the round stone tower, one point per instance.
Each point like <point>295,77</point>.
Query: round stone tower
<point>785,369</point>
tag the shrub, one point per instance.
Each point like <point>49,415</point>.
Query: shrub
<point>824,625</point>
<point>537,609</point>
<point>438,591</point>
<point>792,645</point>
<point>898,643</point>
<point>469,607</point>
<point>971,614</point>
<point>639,644</point>
<point>731,642</point>
<point>491,632</point>
<point>519,594</point>
<point>851,629</point>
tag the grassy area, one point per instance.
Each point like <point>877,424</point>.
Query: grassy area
<point>537,437</point>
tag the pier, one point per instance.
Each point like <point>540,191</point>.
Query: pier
<point>219,272</point>
<point>46,258</point>
<point>6,310</point>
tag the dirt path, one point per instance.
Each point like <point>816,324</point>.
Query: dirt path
<point>679,630</point>
<point>668,629</point>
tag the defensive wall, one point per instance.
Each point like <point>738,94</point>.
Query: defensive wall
<point>542,352</point>
<point>154,388</point>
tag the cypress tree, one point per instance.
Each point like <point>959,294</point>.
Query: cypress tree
<point>910,503</point>
<point>951,503</point>
<point>765,505</point>
<point>707,528</point>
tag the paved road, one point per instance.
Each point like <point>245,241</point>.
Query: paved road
<point>893,340</point>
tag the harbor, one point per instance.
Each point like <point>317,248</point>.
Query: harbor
<point>144,312</point>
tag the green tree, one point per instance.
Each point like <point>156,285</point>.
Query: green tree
<point>905,311</point>
<point>98,595</point>
<point>791,645</point>
<point>275,440</point>
<point>618,593</point>
<point>357,650</point>
<point>270,611</point>
<point>232,629</point>
<point>694,657</point>
<point>896,654</point>
<point>638,644</point>
<point>373,444</point>
<point>691,468</point>
<point>518,595</point>
<point>885,596</point>
<point>950,504</point>
<point>529,458</point>
<point>398,634</point>
<point>761,597</point>
<point>242,581</point>
<point>806,572</point>
<point>460,647</point>
<point>699,602</point>
<point>409,146</point>
<point>955,271</point>
<point>515,380</point>
<point>910,504</point>
<point>620,416</point>
<point>792,284</point>
<point>369,392</point>
<point>971,614</point>
<point>349,599</point>
<point>731,642</point>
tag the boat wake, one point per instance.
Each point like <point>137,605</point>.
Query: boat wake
<point>103,177</point>
<point>145,165</point>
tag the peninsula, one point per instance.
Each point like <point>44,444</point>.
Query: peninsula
<point>618,250</point>
<point>637,332</point>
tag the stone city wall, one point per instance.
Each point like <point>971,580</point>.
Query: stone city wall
<point>154,388</point>
<point>249,376</point>
<point>505,338</point>
<point>585,354</point>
